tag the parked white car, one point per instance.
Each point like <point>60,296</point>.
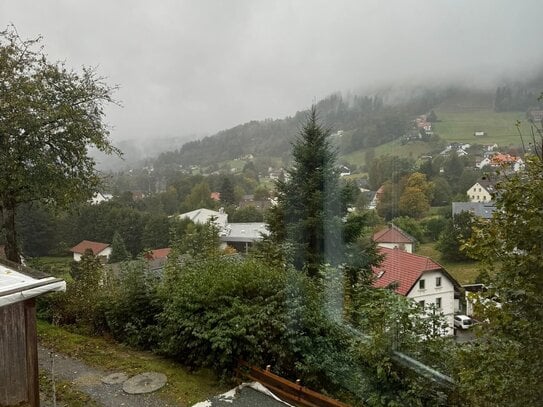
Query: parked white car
<point>462,321</point>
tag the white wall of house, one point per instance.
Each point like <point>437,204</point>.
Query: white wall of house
<point>407,247</point>
<point>478,193</point>
<point>432,291</point>
<point>104,253</point>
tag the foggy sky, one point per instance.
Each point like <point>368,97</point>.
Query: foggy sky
<point>196,67</point>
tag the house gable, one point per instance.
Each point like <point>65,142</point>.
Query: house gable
<point>481,191</point>
<point>97,248</point>
<point>401,269</point>
<point>394,237</point>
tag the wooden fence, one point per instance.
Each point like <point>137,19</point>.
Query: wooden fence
<point>288,391</point>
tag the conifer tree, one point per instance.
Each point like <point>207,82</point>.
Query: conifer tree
<point>308,215</point>
<point>118,250</point>
<point>228,196</point>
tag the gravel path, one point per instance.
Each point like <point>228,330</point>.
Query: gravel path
<point>88,380</point>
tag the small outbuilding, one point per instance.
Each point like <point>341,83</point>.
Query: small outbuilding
<point>98,249</point>
<point>19,287</point>
<point>393,237</point>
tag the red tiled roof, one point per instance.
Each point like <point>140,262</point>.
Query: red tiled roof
<point>158,253</point>
<point>392,234</point>
<point>96,247</point>
<point>402,268</point>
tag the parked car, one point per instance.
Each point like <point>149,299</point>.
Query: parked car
<point>462,321</point>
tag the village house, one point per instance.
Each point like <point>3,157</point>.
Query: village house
<point>157,258</point>
<point>249,200</point>
<point>19,287</point>
<point>460,149</point>
<point>100,197</point>
<point>376,198</point>
<point>241,236</point>
<point>101,250</point>
<point>202,216</point>
<point>500,160</point>
<point>420,279</point>
<point>482,191</point>
<point>393,237</point>
<point>483,210</point>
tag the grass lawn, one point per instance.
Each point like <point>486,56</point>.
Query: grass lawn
<point>464,272</point>
<point>457,123</point>
<point>55,266</point>
<point>412,150</point>
<point>500,127</point>
<point>183,388</point>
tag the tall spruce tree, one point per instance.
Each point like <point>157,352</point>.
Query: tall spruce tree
<point>119,251</point>
<point>308,215</point>
<point>228,196</point>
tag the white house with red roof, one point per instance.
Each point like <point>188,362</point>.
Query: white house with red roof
<point>97,248</point>
<point>393,237</point>
<point>419,278</point>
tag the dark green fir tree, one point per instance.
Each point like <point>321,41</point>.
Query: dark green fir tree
<point>307,218</point>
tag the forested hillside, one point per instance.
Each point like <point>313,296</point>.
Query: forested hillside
<point>365,121</point>
<point>361,121</point>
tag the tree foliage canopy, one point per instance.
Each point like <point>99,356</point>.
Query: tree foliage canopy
<point>510,250</point>
<point>49,117</point>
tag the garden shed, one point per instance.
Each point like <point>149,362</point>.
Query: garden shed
<point>19,287</point>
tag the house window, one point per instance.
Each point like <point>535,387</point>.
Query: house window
<point>421,285</point>
<point>421,303</point>
<point>438,302</point>
<point>438,281</point>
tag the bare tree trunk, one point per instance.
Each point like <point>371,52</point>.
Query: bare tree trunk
<point>7,218</point>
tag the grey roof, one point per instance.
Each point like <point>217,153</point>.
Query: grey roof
<point>489,185</point>
<point>203,216</point>
<point>243,232</point>
<point>481,209</point>
<point>19,283</point>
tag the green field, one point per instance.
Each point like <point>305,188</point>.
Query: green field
<point>55,266</point>
<point>456,125</point>
<point>500,128</point>
<point>464,272</point>
<point>411,150</point>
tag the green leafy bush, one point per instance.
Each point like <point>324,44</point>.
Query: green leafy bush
<point>132,306</point>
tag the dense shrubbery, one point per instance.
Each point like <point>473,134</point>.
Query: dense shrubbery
<point>221,310</point>
<point>212,310</point>
<point>133,305</point>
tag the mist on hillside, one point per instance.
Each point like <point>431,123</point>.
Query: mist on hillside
<point>190,69</point>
